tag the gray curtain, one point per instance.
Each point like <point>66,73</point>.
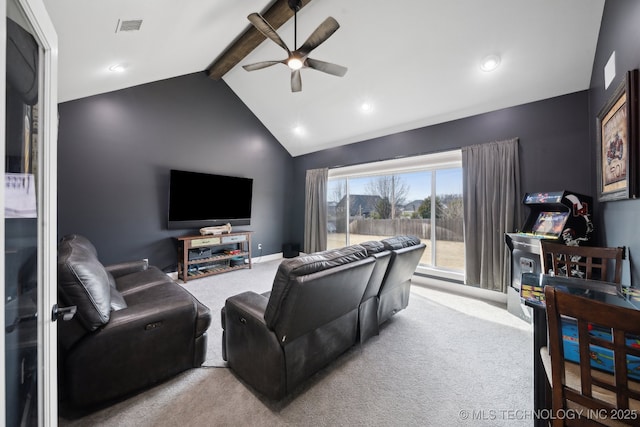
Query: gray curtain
<point>315,211</point>
<point>491,191</point>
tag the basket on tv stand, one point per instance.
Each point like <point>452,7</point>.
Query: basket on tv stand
<point>201,256</point>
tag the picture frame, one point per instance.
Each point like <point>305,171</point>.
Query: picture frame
<point>617,143</point>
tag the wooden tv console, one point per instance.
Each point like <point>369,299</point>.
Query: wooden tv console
<point>201,256</point>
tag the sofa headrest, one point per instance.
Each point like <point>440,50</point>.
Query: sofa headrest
<point>318,261</point>
<point>80,241</point>
<point>373,247</point>
<point>292,268</point>
<point>84,282</point>
<point>399,242</point>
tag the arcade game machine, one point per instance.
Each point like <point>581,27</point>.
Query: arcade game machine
<point>560,216</point>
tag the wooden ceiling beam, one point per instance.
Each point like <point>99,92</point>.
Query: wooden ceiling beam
<point>276,15</point>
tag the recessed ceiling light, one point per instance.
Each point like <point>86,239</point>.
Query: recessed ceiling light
<point>299,130</point>
<point>490,63</point>
<point>118,68</point>
<point>366,107</point>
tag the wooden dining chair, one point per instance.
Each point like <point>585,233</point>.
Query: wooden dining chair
<point>582,395</point>
<point>586,262</point>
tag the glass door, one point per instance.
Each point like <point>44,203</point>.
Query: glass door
<point>29,194</point>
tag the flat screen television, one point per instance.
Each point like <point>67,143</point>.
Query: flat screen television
<point>202,200</point>
<point>550,223</point>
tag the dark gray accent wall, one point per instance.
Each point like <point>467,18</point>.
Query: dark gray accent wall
<point>115,151</point>
<point>553,137</point>
<point>619,32</point>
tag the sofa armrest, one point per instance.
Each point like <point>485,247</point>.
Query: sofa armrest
<point>124,268</point>
<point>151,315</point>
<point>252,349</point>
<point>140,346</point>
<point>249,304</point>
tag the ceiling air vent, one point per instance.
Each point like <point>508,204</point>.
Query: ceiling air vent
<point>128,25</point>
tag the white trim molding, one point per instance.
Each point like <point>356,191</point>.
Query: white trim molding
<point>425,162</point>
<point>3,89</point>
<point>35,15</point>
<point>460,289</point>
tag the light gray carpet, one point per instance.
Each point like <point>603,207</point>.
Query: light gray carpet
<point>442,358</point>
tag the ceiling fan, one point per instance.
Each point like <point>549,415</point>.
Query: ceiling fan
<point>299,57</point>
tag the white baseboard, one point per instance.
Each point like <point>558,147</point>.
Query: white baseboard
<point>459,289</point>
<point>266,258</point>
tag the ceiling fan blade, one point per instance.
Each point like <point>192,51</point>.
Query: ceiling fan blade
<point>267,30</point>
<point>296,81</point>
<point>260,65</point>
<point>322,33</point>
<point>326,67</point>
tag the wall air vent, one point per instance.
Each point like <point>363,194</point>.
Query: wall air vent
<point>128,25</point>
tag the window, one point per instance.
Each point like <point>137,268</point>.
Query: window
<point>419,195</point>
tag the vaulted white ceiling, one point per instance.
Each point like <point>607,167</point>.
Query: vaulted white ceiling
<point>416,62</point>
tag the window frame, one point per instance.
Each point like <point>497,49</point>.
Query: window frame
<point>421,163</point>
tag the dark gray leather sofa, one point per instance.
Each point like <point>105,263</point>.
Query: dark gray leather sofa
<point>320,305</point>
<point>275,341</point>
<point>134,326</point>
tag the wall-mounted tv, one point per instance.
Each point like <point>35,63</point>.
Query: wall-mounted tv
<point>201,199</point>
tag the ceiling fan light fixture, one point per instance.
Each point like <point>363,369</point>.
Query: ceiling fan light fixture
<point>299,57</point>
<point>294,63</point>
<point>490,63</point>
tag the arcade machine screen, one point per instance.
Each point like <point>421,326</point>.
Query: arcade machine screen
<point>549,224</point>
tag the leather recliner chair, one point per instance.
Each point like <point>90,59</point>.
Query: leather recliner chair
<point>368,311</point>
<point>277,340</point>
<point>389,287</point>
<point>406,252</point>
<point>134,326</point>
